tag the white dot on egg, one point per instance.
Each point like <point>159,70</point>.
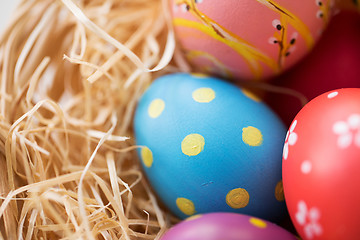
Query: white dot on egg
<point>306,167</point>
<point>354,121</point>
<point>341,128</point>
<point>332,94</point>
<point>184,8</point>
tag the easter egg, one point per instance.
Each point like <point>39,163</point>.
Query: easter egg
<point>226,226</point>
<point>248,39</point>
<point>321,167</point>
<point>209,146</point>
<point>332,64</point>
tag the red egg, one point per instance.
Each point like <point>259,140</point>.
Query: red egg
<point>333,63</point>
<point>321,167</point>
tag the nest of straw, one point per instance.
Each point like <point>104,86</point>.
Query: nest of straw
<point>71,74</point>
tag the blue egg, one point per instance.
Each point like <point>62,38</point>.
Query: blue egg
<point>209,146</point>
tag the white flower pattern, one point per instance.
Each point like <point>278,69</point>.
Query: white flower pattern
<point>308,218</point>
<point>290,139</point>
<point>348,131</point>
<point>306,167</point>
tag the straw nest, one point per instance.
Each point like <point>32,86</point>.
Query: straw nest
<point>71,74</point>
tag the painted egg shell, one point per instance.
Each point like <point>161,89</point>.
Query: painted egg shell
<point>324,69</point>
<point>226,226</point>
<point>209,146</point>
<point>248,39</point>
<point>321,167</point>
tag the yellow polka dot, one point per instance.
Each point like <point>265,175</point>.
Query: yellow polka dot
<point>199,75</point>
<point>251,95</point>
<point>237,198</point>
<point>197,216</point>
<point>257,222</point>
<point>156,107</point>
<point>203,95</point>
<point>192,144</point>
<point>252,136</point>
<point>186,206</point>
<point>279,191</point>
<point>146,156</point>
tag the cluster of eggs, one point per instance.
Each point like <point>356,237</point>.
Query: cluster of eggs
<point>220,157</point>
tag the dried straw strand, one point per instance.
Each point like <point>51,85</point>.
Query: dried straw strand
<point>71,75</point>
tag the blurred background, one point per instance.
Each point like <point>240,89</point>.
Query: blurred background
<point>6,9</point>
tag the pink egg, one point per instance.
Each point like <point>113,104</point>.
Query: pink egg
<point>321,167</point>
<point>248,39</point>
<point>333,63</point>
<point>226,226</point>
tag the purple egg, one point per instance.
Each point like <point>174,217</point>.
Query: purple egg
<point>226,226</point>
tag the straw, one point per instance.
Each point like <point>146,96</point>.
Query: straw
<point>71,75</point>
